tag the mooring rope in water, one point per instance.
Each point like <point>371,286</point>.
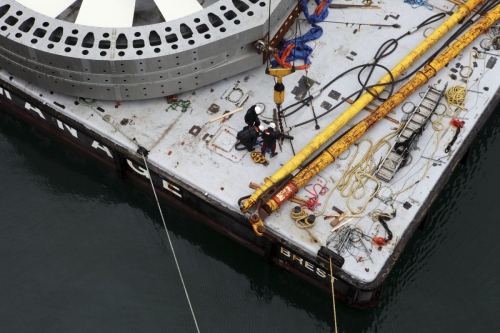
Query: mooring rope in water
<point>333,295</point>
<point>170,242</point>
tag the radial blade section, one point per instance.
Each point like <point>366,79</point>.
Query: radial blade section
<point>109,13</point>
<point>50,8</point>
<point>174,9</point>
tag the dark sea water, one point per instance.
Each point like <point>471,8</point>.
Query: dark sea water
<point>82,251</point>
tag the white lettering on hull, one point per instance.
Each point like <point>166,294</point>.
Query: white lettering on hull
<point>321,273</point>
<point>172,188</point>
<point>6,93</point>
<point>97,145</point>
<point>139,170</point>
<point>28,106</point>
<point>70,129</point>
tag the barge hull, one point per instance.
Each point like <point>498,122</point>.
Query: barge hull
<point>175,193</point>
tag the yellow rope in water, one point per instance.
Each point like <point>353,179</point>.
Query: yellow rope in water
<point>333,295</point>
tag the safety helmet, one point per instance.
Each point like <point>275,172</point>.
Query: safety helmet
<point>258,109</point>
<point>272,125</point>
<point>261,128</point>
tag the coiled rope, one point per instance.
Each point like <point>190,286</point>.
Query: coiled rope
<point>302,221</point>
<point>171,245</point>
<point>353,182</point>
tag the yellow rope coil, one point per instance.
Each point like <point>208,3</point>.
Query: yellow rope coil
<point>455,96</point>
<point>353,182</point>
<point>258,157</point>
<point>300,219</point>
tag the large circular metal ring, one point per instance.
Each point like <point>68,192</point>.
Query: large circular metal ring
<point>135,62</point>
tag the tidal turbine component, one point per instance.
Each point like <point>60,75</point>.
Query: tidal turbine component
<point>107,50</point>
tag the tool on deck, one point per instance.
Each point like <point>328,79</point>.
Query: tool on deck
<point>279,88</point>
<point>225,115</point>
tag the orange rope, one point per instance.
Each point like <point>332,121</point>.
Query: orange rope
<point>286,52</point>
<point>319,9</point>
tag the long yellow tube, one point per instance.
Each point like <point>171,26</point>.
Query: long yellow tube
<point>422,77</point>
<point>462,12</point>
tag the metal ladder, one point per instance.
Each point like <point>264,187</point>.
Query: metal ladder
<point>408,137</point>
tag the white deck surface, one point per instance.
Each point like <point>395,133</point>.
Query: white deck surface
<point>107,13</point>
<point>51,8</point>
<point>225,173</point>
<point>174,9</point>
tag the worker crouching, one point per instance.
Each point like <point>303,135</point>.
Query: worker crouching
<point>269,137</point>
<point>251,117</point>
<point>248,137</point>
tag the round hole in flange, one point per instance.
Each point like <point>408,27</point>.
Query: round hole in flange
<point>34,41</point>
<point>45,24</point>
<point>157,50</point>
<point>168,29</point>
<point>237,22</point>
<point>121,53</point>
<point>105,35</point>
<point>174,47</point>
<point>137,34</point>
<point>139,52</point>
<point>250,13</point>
<point>191,42</point>
<point>222,29</point>
<point>50,46</point>
<point>19,35</point>
<point>196,20</point>
<point>85,52</point>
<point>74,31</point>
<point>4,28</point>
<point>207,36</point>
<point>103,53</point>
<point>19,13</point>
<point>68,49</point>
<point>222,7</point>
<point>262,4</point>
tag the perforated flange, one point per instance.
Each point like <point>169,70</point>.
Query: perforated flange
<point>137,62</point>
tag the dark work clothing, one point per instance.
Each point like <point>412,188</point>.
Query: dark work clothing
<point>251,117</point>
<point>248,137</point>
<point>269,137</point>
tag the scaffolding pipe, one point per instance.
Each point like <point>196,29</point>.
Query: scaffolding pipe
<point>462,12</point>
<point>422,77</point>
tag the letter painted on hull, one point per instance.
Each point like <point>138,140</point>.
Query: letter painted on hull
<point>300,263</point>
<point>5,93</point>
<point>140,170</point>
<point>62,126</point>
<point>97,145</point>
<point>28,107</point>
<point>172,188</point>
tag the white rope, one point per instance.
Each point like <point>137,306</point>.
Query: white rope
<point>170,242</point>
<point>332,279</point>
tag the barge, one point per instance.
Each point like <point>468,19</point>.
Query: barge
<point>154,92</point>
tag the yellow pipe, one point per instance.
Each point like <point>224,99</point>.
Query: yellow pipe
<point>463,11</point>
<point>422,77</point>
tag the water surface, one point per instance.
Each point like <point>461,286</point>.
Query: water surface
<point>82,251</point>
